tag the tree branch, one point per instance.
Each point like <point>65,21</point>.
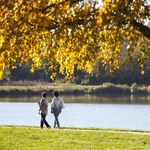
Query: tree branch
<point>77,22</point>
<point>142,28</point>
<point>53,5</point>
<point>139,26</point>
<point>145,14</point>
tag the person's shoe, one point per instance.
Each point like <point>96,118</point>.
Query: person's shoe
<point>52,127</point>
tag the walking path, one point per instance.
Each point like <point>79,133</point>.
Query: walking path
<point>85,130</point>
<point>129,132</point>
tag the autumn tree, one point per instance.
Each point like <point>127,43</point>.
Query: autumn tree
<point>71,32</point>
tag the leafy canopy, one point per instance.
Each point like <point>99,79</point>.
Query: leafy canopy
<point>72,32</point>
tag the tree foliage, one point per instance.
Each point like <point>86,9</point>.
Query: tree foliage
<point>72,32</point>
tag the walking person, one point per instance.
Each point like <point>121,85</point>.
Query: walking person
<point>56,106</point>
<point>43,110</point>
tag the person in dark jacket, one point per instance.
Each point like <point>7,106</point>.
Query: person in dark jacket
<point>43,110</point>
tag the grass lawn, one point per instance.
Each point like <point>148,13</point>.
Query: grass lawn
<point>47,139</point>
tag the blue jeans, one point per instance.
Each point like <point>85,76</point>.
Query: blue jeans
<point>56,113</point>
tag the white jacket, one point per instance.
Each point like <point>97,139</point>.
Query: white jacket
<point>57,103</point>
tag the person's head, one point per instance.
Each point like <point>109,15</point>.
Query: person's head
<point>44,94</point>
<point>55,93</point>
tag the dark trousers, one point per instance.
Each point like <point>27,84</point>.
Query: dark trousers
<point>43,121</point>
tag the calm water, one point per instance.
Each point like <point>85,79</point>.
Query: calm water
<point>111,111</point>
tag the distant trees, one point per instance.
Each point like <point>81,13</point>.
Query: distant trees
<point>128,72</point>
<point>22,72</point>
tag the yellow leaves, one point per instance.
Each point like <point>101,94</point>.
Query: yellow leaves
<point>103,10</point>
<point>61,41</point>
<point>88,66</point>
<point>73,12</point>
<point>126,3</point>
<point>50,17</point>
<point>32,70</point>
<point>66,6</point>
<point>105,1</point>
<point>53,1</point>
<point>111,70</point>
<point>99,21</point>
<point>114,5</point>
<point>1,41</point>
<point>13,67</point>
<point>85,35</point>
<point>1,75</point>
<point>53,75</point>
<point>34,29</point>
<point>142,71</point>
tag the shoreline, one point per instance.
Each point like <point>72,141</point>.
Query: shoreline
<point>106,88</point>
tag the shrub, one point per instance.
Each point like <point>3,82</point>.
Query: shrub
<point>110,88</point>
<point>148,89</point>
<point>135,89</point>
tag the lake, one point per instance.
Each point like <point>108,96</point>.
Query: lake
<point>99,111</point>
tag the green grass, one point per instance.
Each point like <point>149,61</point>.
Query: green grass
<point>54,86</point>
<point>62,88</point>
<point>22,138</point>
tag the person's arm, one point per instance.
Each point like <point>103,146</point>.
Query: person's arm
<point>52,109</point>
<point>62,104</point>
<point>42,104</point>
<point>39,103</point>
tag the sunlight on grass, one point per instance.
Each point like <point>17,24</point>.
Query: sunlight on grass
<point>31,138</point>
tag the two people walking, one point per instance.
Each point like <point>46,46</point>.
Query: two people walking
<point>56,106</point>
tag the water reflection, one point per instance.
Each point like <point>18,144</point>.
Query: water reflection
<point>87,98</point>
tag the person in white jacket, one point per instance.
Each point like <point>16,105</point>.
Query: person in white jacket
<point>43,110</point>
<point>56,106</point>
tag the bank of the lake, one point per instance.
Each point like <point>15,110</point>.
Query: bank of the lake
<point>34,138</point>
<point>75,89</point>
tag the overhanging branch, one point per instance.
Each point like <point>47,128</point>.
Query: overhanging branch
<point>70,23</point>
<point>142,28</point>
<point>60,3</point>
